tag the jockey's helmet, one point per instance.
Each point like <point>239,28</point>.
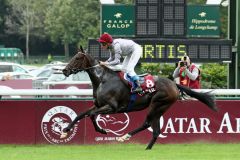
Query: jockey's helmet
<point>105,38</point>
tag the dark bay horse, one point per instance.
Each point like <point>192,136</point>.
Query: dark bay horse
<point>112,95</point>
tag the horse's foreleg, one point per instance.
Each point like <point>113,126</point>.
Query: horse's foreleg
<point>97,128</point>
<point>93,119</point>
<point>91,112</point>
<point>79,117</point>
<point>107,109</point>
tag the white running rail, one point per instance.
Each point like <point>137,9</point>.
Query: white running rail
<point>222,92</point>
<point>89,92</point>
<point>47,92</point>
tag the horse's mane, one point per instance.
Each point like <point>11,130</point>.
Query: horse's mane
<point>91,59</point>
<point>106,69</point>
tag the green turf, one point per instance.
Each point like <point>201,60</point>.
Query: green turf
<point>199,151</point>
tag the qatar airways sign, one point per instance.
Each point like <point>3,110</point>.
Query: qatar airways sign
<point>197,126</point>
<point>184,122</point>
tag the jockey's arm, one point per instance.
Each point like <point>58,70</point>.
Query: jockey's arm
<point>115,55</point>
<point>115,61</point>
<point>111,58</point>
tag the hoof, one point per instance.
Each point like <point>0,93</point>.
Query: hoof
<point>119,139</point>
<point>123,138</point>
<point>66,130</point>
<point>63,135</point>
<point>103,131</point>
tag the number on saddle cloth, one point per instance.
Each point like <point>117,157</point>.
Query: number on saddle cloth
<point>149,85</point>
<point>146,81</point>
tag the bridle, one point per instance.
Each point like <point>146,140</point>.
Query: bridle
<point>74,71</point>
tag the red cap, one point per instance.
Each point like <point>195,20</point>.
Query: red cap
<point>105,38</point>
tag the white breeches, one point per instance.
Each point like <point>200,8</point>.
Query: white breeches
<point>131,60</point>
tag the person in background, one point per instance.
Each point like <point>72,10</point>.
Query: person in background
<point>188,73</point>
<point>6,77</point>
<point>123,47</point>
<point>49,58</point>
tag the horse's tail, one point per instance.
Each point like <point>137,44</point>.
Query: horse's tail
<point>206,98</point>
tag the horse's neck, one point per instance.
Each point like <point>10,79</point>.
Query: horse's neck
<point>97,74</point>
<point>94,75</point>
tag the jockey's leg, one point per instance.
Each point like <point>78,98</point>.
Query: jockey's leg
<point>125,64</point>
<point>136,84</point>
<point>132,62</point>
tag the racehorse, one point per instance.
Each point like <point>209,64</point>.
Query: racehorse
<point>112,95</point>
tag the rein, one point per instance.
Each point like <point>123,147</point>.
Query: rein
<point>92,67</point>
<point>78,70</point>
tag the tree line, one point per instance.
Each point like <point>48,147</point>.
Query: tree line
<point>68,22</point>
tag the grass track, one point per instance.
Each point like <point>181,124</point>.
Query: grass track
<point>196,151</point>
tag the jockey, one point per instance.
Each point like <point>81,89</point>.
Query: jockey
<point>123,47</point>
<point>188,73</point>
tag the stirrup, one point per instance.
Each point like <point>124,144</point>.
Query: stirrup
<point>137,90</point>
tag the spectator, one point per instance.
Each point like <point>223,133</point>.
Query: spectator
<point>6,77</point>
<point>188,73</point>
<point>49,58</point>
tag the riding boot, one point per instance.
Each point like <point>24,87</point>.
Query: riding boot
<point>137,89</point>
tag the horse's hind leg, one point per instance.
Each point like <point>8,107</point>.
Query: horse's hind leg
<point>145,125</point>
<point>152,120</point>
<point>158,111</point>
<point>156,131</point>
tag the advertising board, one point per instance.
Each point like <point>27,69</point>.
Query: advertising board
<point>118,20</point>
<point>203,21</point>
<point>42,121</point>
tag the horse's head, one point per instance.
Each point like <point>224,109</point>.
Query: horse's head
<point>79,62</point>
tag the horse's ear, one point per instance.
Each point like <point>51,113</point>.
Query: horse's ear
<point>81,48</point>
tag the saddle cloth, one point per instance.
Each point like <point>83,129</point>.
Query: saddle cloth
<point>146,80</point>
